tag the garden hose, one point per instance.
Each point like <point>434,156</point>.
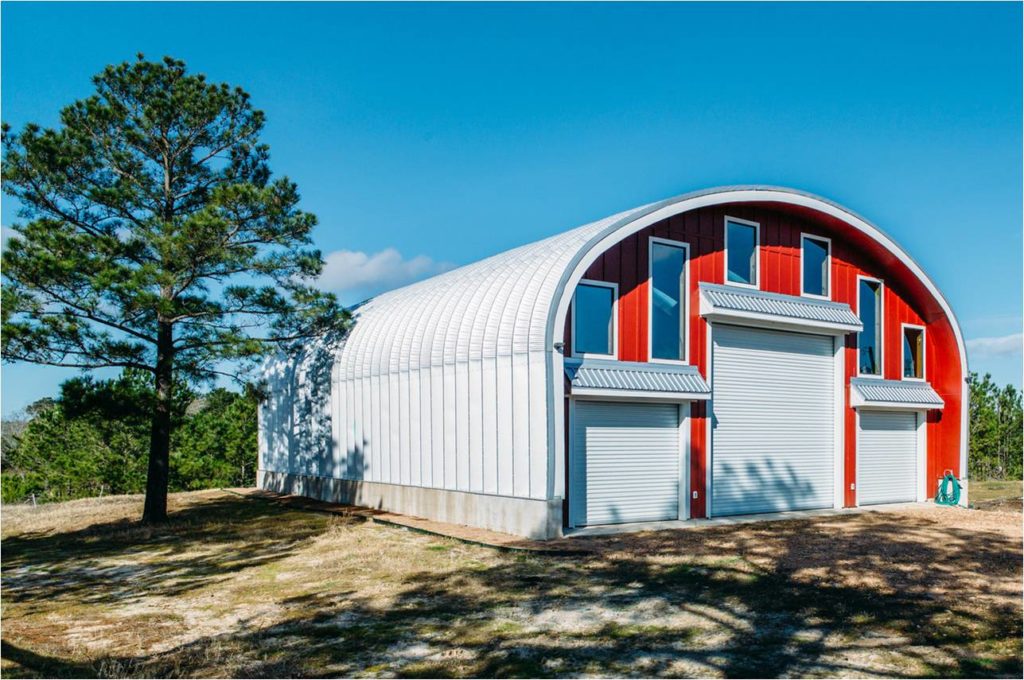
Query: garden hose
<point>949,490</point>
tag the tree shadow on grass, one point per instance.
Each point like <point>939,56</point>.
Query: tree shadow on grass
<point>870,595</point>
<point>121,562</point>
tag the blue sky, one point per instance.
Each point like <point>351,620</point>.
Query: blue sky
<point>426,136</point>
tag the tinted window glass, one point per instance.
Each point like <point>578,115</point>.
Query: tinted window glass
<point>593,319</point>
<point>742,252</point>
<point>815,262</point>
<point>913,353</point>
<point>870,340</point>
<point>668,307</point>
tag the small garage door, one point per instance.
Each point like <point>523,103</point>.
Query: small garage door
<point>886,457</point>
<point>625,462</point>
<point>773,426</point>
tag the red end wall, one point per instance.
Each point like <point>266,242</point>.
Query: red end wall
<point>906,300</point>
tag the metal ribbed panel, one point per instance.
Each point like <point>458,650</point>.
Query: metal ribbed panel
<point>773,439</point>
<point>886,457</point>
<point>482,314</point>
<point>896,392</point>
<point>474,339</point>
<point>625,462</point>
<point>775,304</point>
<point>631,377</point>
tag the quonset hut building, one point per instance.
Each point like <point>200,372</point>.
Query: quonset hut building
<point>732,351</point>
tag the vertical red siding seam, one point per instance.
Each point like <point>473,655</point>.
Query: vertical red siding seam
<point>643,314</point>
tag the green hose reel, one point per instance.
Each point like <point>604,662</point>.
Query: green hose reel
<point>949,490</point>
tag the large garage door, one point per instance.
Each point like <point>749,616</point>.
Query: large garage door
<point>772,447</point>
<point>625,462</point>
<point>886,457</point>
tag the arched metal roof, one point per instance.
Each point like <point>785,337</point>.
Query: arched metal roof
<point>497,306</point>
<point>512,302</point>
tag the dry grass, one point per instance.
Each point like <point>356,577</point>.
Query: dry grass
<point>1001,495</point>
<point>238,586</point>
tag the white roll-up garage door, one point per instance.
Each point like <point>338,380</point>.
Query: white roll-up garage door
<point>625,463</point>
<point>886,457</point>
<point>773,426</point>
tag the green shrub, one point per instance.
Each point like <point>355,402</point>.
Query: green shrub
<point>94,440</point>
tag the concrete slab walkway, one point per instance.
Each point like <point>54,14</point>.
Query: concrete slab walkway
<point>494,539</point>
<point>677,524</point>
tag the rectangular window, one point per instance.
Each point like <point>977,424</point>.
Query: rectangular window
<point>913,352</point>
<point>815,259</point>
<point>593,319</point>
<point>667,288</point>
<point>869,342</point>
<point>741,239</point>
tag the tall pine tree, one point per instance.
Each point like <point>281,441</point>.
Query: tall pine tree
<point>155,238</point>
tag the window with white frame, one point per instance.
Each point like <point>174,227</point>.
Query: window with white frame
<point>869,341</point>
<point>593,319</point>
<point>741,240</point>
<point>913,352</point>
<point>815,257</point>
<point>667,286</point>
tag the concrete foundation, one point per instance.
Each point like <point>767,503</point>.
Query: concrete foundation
<point>531,518</point>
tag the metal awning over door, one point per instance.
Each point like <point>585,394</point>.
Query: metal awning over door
<point>773,423</point>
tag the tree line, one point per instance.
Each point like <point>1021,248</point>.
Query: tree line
<point>93,440</point>
<point>997,430</point>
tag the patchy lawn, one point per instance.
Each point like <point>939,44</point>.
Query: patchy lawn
<point>997,495</point>
<point>240,586</point>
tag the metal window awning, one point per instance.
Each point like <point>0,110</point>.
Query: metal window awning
<point>750,307</point>
<point>914,395</point>
<point>635,380</point>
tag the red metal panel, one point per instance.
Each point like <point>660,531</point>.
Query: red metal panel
<point>905,301</point>
<point>629,299</point>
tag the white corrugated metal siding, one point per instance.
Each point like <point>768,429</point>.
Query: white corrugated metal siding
<point>625,462</point>
<point>442,384</point>
<point>489,426</point>
<point>886,457</point>
<point>773,442</point>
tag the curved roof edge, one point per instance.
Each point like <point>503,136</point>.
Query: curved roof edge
<point>637,219</point>
<point>503,304</point>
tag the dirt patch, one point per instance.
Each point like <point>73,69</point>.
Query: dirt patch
<point>997,496</point>
<point>1015,505</point>
<point>239,586</point>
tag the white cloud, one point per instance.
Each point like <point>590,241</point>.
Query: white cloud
<point>1003,346</point>
<point>355,275</point>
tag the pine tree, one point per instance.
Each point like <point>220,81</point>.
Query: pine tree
<point>156,239</point>
<point>997,430</point>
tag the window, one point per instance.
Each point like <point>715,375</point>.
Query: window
<point>869,342</point>
<point>913,352</point>
<point>815,260</point>
<point>741,239</point>
<point>667,286</point>
<point>593,319</point>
